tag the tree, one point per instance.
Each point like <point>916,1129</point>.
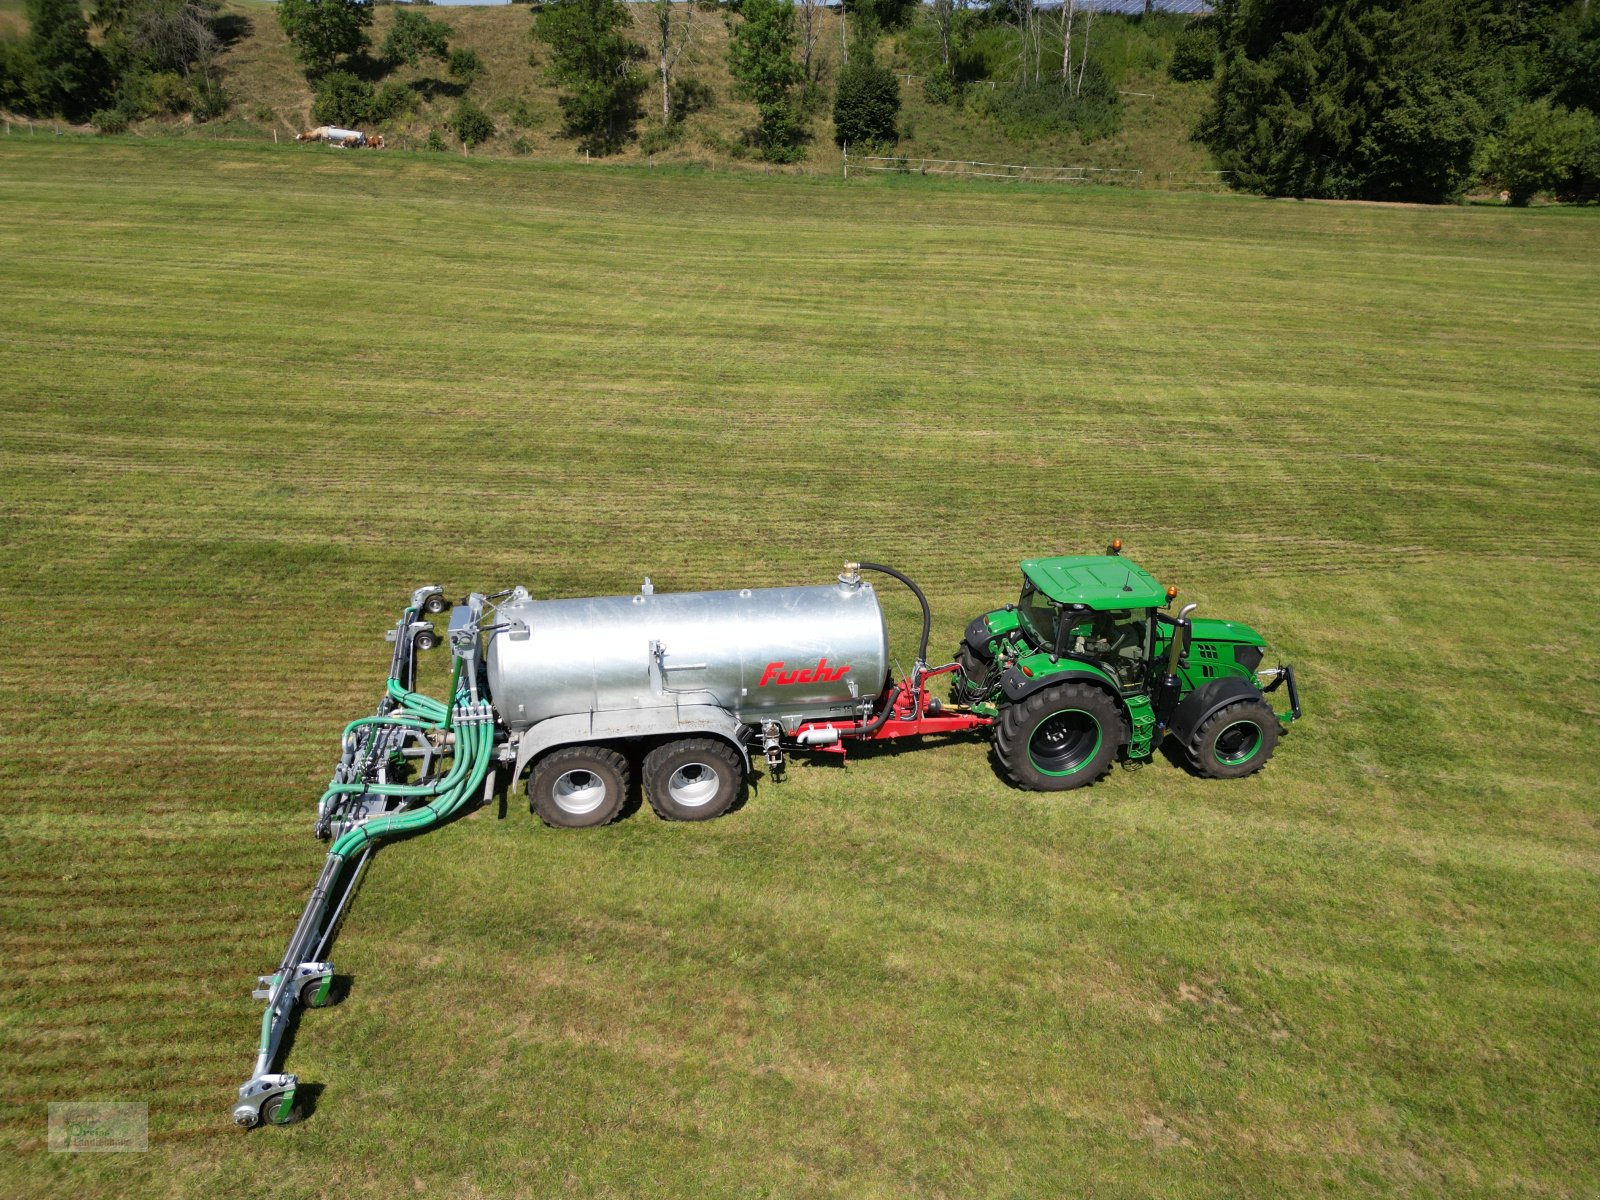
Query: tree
<point>68,74</point>
<point>593,59</point>
<point>413,37</point>
<point>1543,148</point>
<point>671,39</point>
<point>1379,99</point>
<point>866,104</point>
<point>810,12</point>
<point>761,60</point>
<point>325,31</point>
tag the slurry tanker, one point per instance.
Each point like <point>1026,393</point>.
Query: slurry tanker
<point>573,699</point>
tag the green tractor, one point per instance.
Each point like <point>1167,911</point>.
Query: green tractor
<point>1086,667</point>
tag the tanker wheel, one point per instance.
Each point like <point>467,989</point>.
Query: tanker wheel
<point>693,779</point>
<point>1059,738</point>
<point>579,787</point>
<point>1236,741</point>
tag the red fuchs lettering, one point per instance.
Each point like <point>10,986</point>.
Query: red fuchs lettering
<point>821,673</point>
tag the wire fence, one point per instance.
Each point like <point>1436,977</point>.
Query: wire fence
<point>1021,172</point>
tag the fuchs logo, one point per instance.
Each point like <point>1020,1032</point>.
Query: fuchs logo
<point>821,673</point>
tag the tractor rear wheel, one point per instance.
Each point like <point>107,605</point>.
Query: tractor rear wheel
<point>1235,741</point>
<point>1059,738</point>
<point>579,787</point>
<point>693,779</point>
<point>967,683</point>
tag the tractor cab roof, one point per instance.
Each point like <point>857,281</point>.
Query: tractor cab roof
<point>1099,581</point>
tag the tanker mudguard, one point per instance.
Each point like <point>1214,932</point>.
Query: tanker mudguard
<point>682,720</point>
<point>1201,703</point>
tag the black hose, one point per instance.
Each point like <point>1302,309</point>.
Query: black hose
<point>927,613</point>
<point>868,728</point>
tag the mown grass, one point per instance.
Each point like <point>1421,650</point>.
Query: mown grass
<point>254,396</point>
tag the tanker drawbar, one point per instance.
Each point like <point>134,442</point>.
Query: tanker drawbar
<point>573,699</point>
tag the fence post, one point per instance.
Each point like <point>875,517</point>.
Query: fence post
<point>847,160</point>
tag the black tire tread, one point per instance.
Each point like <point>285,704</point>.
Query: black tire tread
<point>1016,719</point>
<point>604,754</point>
<point>701,746</point>
<point>1198,749</point>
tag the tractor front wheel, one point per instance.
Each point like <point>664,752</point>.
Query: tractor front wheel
<point>1235,741</point>
<point>1059,738</point>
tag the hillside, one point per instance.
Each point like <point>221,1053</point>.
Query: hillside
<point>254,395</point>
<point>269,93</point>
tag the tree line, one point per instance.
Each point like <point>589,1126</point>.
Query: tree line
<point>1405,99</point>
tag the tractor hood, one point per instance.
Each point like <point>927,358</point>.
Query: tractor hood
<point>1208,630</point>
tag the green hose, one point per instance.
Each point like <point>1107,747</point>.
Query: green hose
<point>473,758</point>
<point>474,745</point>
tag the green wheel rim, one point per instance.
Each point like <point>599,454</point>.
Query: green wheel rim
<point>1065,742</point>
<point>1237,744</point>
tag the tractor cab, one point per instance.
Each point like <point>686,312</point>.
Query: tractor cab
<point>1096,607</point>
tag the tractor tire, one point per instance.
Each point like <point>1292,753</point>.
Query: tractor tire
<point>967,682</point>
<point>579,787</point>
<point>693,779</point>
<point>1059,738</point>
<point>1235,741</point>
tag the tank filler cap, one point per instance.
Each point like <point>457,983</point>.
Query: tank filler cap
<point>851,575</point>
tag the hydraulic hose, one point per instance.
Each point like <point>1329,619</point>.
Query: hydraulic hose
<point>868,728</point>
<point>474,756</point>
<point>927,613</point>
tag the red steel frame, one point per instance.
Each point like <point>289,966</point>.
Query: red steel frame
<point>908,717</point>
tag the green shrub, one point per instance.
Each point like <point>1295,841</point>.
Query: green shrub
<point>519,145</point>
<point>465,65</point>
<point>392,100</point>
<point>169,93</point>
<point>210,101</point>
<point>1194,57</point>
<point>519,113</point>
<point>471,124</point>
<point>689,95</point>
<point>1026,110</point>
<point>342,99</point>
<point>109,120</point>
<point>937,88</point>
<point>866,104</point>
<point>660,137</point>
<point>1544,148</point>
<point>434,142</point>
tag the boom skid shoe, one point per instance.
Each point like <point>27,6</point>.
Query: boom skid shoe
<point>268,1098</point>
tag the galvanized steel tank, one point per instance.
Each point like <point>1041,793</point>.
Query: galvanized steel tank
<point>760,653</point>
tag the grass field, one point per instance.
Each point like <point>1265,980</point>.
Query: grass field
<point>253,396</point>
